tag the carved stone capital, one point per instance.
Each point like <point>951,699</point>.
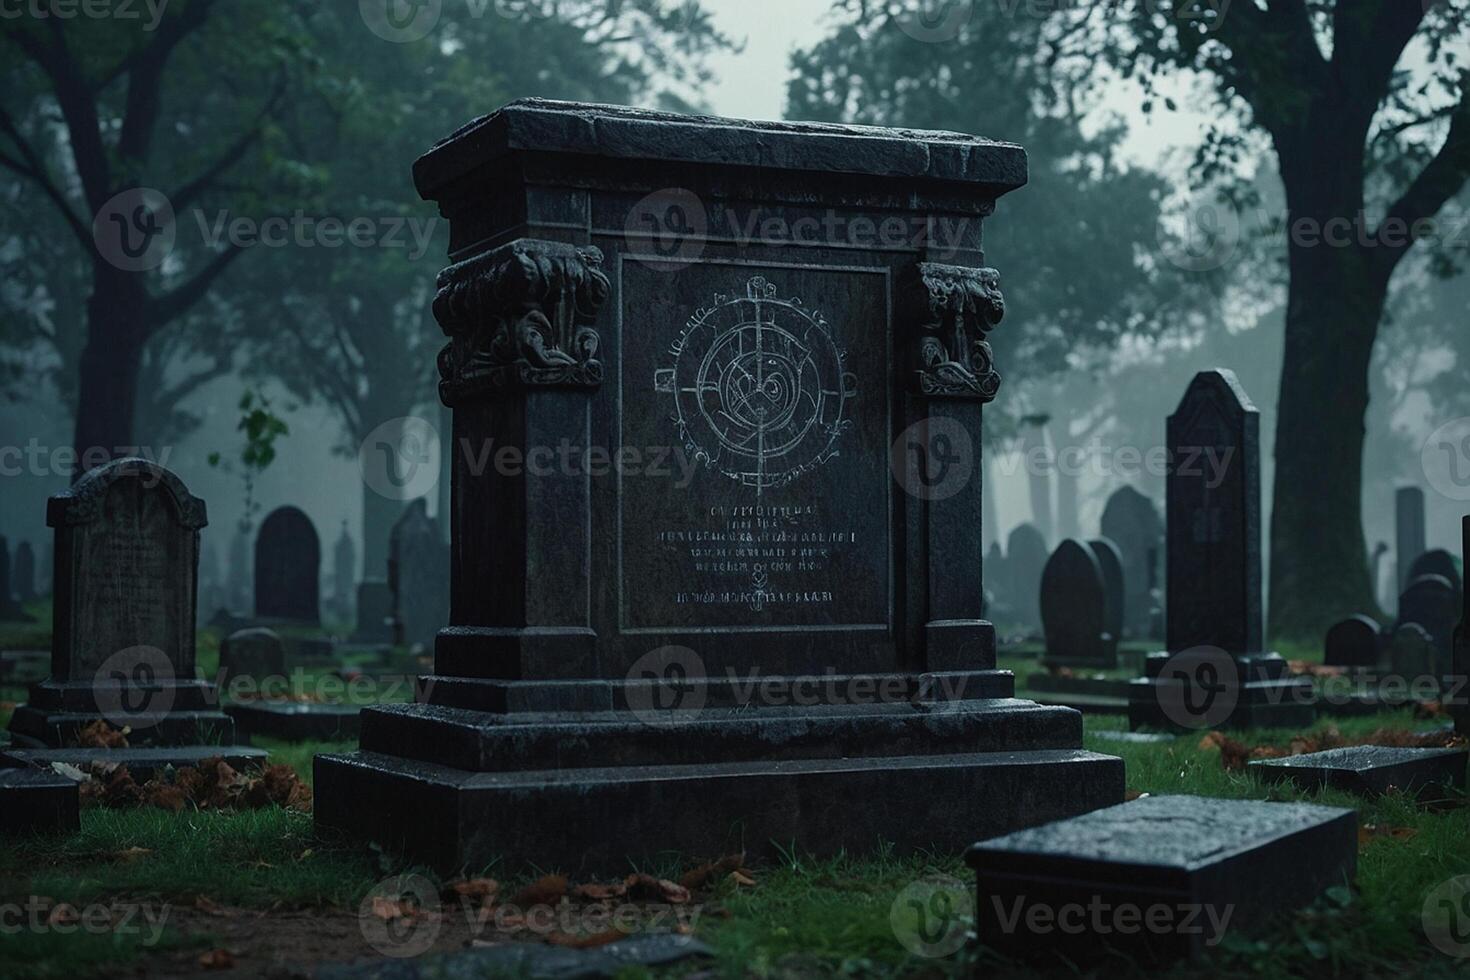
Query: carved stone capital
<point>520,317</point>
<point>956,308</point>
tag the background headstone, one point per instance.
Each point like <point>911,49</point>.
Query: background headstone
<point>344,575</point>
<point>1110,561</point>
<point>1026,556</point>
<point>254,653</point>
<point>1131,521</point>
<point>1433,603</point>
<point>1354,642</point>
<point>1214,519</point>
<point>1409,530</point>
<point>240,594</point>
<point>288,568</point>
<point>1437,561</point>
<point>374,613</point>
<point>1074,608</point>
<point>23,574</point>
<point>418,575</point>
<point>1410,654</point>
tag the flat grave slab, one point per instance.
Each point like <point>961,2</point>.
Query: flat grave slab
<point>1157,878</point>
<point>1369,770</point>
<point>141,762</point>
<point>38,801</point>
<point>294,721</point>
<point>1134,738</point>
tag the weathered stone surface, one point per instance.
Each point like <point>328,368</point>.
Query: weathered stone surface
<point>255,654</point>
<point>1026,557</point>
<point>1132,522</point>
<point>1354,642</point>
<point>1074,609</point>
<point>288,568</point>
<point>142,763</point>
<point>1438,561</point>
<point>295,722</point>
<point>758,523</point>
<point>1246,860</point>
<point>344,575</point>
<point>1369,770</point>
<point>1409,531</point>
<point>127,545</point>
<point>529,960</point>
<point>418,576</point>
<point>1110,561</point>
<point>38,801</point>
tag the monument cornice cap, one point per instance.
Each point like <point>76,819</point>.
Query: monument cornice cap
<point>1221,379</point>
<point>82,502</point>
<point>621,132</point>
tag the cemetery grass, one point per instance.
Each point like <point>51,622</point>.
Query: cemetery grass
<point>803,917</point>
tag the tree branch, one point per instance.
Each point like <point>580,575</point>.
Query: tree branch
<point>33,167</point>
<point>1441,179</point>
<point>206,179</point>
<point>178,300</point>
<point>144,68</point>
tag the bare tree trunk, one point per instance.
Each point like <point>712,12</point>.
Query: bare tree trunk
<point>107,390</point>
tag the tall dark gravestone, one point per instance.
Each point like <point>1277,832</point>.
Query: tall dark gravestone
<point>1432,602</point>
<point>288,559</point>
<point>827,391</point>
<point>1131,521</point>
<point>344,575</point>
<point>1110,562</point>
<point>1409,531</point>
<point>1215,626</point>
<point>127,554</point>
<point>418,575</point>
<point>1075,609</point>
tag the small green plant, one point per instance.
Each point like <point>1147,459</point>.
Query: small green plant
<point>262,427</point>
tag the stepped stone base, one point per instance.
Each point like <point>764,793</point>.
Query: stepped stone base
<point>36,801</point>
<point>587,791</point>
<point>1263,694</point>
<point>141,763</point>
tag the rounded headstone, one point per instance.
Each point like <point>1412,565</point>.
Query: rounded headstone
<point>255,653</point>
<point>1110,560</point>
<point>1026,556</point>
<point>288,568</point>
<point>1439,562</point>
<point>1132,522</point>
<point>1354,642</point>
<point>1074,606</point>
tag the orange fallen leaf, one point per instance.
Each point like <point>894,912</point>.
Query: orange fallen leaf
<point>217,959</point>
<point>741,880</point>
<point>599,893</point>
<point>481,888</point>
<point>705,873</point>
<point>544,891</point>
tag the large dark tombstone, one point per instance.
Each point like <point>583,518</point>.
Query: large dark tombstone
<point>23,573</point>
<point>1355,643</point>
<point>344,575</point>
<point>418,575</point>
<point>1215,671</point>
<point>600,297</point>
<point>374,613</point>
<point>1110,560</point>
<point>1432,602</point>
<point>1437,561</point>
<point>1131,521</point>
<point>1074,609</point>
<point>1026,557</point>
<point>1409,531</point>
<point>10,610</point>
<point>127,547</point>
<point>288,568</point>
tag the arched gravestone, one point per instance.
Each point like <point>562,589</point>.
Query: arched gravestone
<point>1355,642</point>
<point>1026,556</point>
<point>1110,561</point>
<point>1074,609</point>
<point>418,575</point>
<point>288,568</point>
<point>344,575</point>
<point>1131,521</point>
<point>1433,603</point>
<point>1438,561</point>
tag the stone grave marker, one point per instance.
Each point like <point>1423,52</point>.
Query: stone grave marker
<point>256,654</point>
<point>38,801</point>
<point>374,614</point>
<point>1433,603</point>
<point>586,306</point>
<point>1355,642</point>
<point>1074,609</point>
<point>23,574</point>
<point>1437,561</point>
<point>1110,560</point>
<point>1240,864</point>
<point>1026,557</point>
<point>418,575</point>
<point>288,568</point>
<point>344,575</point>
<point>1370,770</point>
<point>1131,521</point>
<point>1409,531</point>
<point>1409,654</point>
<point>1215,670</point>
<point>127,547</point>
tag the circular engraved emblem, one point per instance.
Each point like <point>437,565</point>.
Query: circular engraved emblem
<point>759,387</point>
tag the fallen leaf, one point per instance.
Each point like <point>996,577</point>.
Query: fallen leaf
<point>389,909</point>
<point>131,854</point>
<point>544,891</point>
<point>208,906</point>
<point>100,735</point>
<point>705,873</point>
<point>484,889</point>
<point>217,959</point>
<point>599,893</point>
<point>741,880</point>
<point>586,942</point>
